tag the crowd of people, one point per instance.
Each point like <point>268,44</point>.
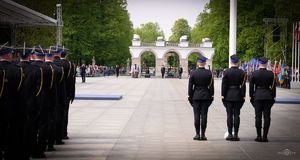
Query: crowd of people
<point>36,88</point>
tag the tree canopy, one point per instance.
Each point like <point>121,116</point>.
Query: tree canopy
<point>180,28</point>
<point>149,32</point>
<point>213,23</point>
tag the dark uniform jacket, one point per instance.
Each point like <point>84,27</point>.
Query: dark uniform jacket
<point>201,85</point>
<point>62,83</point>
<point>233,84</point>
<point>31,88</point>
<point>68,76</point>
<point>262,85</point>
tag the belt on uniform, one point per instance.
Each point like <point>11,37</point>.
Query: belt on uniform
<point>234,87</point>
<point>262,87</point>
<point>201,87</point>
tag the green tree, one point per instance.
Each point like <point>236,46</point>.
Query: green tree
<point>180,28</point>
<point>149,32</point>
<point>148,59</point>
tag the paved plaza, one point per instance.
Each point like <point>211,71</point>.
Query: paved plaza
<point>155,121</point>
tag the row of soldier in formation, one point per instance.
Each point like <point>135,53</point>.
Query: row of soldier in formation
<point>262,92</point>
<point>35,93</point>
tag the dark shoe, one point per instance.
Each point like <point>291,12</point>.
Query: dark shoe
<point>236,138</point>
<point>59,142</point>
<point>203,138</point>
<point>66,137</point>
<point>265,140</point>
<point>38,156</point>
<point>197,137</point>
<point>258,139</point>
<point>51,149</point>
<point>229,137</point>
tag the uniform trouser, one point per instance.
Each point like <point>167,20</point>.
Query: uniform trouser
<point>51,130</point>
<point>233,115</point>
<point>200,115</point>
<point>162,75</point>
<point>66,119</point>
<point>83,78</point>
<point>263,108</point>
<point>2,135</point>
<point>41,134</point>
<point>59,123</point>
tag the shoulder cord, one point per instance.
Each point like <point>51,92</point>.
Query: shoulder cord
<point>211,80</point>
<point>42,80</point>
<point>69,69</point>
<point>274,79</point>
<point>52,76</point>
<point>62,75</point>
<point>2,88</point>
<point>21,80</point>
<point>244,81</point>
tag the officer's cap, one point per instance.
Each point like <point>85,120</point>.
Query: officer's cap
<point>202,59</point>
<point>5,50</point>
<point>38,52</point>
<point>234,58</point>
<point>262,60</point>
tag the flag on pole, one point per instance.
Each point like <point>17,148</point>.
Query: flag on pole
<point>277,70</point>
<point>281,74</point>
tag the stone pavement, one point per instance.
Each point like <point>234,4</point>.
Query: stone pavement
<point>155,121</point>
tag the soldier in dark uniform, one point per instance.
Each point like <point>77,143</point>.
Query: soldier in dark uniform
<point>10,142</point>
<point>56,75</point>
<point>233,96</point>
<point>180,72</point>
<point>262,96</point>
<point>2,80</point>
<point>69,77</point>
<point>29,92</point>
<point>41,127</point>
<point>62,100</point>
<point>163,70</point>
<point>201,95</point>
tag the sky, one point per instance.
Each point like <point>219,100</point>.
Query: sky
<point>164,12</point>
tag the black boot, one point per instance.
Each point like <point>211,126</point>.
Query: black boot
<point>236,137</point>
<point>265,135</point>
<point>258,138</point>
<point>229,137</point>
<point>197,137</point>
<point>203,137</point>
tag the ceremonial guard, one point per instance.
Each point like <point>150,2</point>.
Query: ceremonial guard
<point>69,77</point>
<point>43,101</point>
<point>262,91</point>
<point>30,90</point>
<point>233,92</point>
<point>62,99</point>
<point>12,79</point>
<point>201,95</point>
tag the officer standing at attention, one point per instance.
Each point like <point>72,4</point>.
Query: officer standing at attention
<point>201,95</point>
<point>29,92</point>
<point>262,96</point>
<point>10,143</point>
<point>233,92</point>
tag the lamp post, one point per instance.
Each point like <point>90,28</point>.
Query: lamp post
<point>232,28</point>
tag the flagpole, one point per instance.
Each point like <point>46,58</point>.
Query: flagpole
<point>298,51</point>
<point>293,51</point>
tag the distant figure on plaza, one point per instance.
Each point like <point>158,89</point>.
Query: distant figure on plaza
<point>135,71</point>
<point>117,71</point>
<point>262,91</point>
<point>163,70</point>
<point>233,93</point>
<point>180,72</point>
<point>201,95</point>
<point>83,72</point>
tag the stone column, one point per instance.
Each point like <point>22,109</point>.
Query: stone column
<point>185,66</point>
<point>158,65</point>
